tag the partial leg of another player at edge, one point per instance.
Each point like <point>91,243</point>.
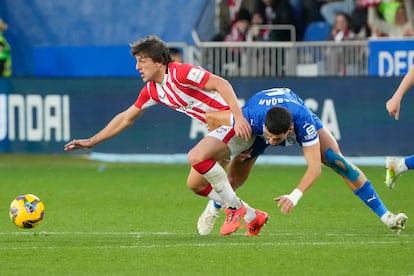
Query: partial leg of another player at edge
<point>360,185</point>
<point>394,167</point>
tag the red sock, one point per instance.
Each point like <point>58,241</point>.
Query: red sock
<point>204,166</point>
<point>206,191</point>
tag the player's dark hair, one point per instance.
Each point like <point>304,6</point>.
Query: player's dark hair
<point>152,47</point>
<point>278,120</point>
<point>174,52</point>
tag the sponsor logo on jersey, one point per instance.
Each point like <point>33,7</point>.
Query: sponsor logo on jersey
<point>311,132</point>
<point>290,140</point>
<point>195,75</point>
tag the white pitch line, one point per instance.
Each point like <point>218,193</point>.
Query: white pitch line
<point>44,233</point>
<point>182,245</point>
<point>133,233</point>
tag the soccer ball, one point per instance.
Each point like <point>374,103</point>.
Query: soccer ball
<point>26,211</point>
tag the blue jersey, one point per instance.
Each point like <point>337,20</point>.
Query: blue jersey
<point>305,122</point>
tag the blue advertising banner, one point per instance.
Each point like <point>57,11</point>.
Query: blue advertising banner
<point>41,115</point>
<point>390,57</point>
<point>83,61</point>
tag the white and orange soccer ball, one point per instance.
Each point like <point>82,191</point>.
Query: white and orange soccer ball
<point>27,211</point>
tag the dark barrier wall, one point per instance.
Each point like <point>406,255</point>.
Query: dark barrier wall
<point>41,115</point>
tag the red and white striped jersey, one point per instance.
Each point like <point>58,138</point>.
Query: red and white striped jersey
<point>182,90</point>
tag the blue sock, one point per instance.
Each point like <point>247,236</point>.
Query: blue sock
<point>216,205</point>
<point>409,162</point>
<point>368,195</point>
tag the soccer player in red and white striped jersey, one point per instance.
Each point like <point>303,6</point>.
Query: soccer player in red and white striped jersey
<point>183,87</point>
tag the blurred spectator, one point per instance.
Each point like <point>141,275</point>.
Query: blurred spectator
<point>298,15</point>
<point>5,52</point>
<point>228,14</point>
<point>403,26</point>
<point>312,9</point>
<point>258,33</point>
<point>276,12</point>
<point>359,20</point>
<point>239,32</point>
<point>329,10</point>
<point>259,63</point>
<point>355,9</point>
<point>337,62</point>
<point>234,19</point>
<point>341,29</point>
<point>240,28</point>
<point>388,10</point>
<point>176,55</point>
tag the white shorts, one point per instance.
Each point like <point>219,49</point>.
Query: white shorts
<point>234,142</point>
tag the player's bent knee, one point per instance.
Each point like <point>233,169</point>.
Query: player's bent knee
<point>191,187</point>
<point>195,189</point>
<point>193,157</point>
<point>345,169</point>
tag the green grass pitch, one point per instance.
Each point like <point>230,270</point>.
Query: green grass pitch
<point>140,219</point>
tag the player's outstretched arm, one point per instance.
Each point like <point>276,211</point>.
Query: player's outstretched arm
<point>119,123</point>
<point>313,159</point>
<point>393,105</point>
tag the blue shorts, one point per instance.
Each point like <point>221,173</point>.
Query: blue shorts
<point>258,147</point>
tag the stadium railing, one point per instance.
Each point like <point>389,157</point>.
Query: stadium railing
<point>276,59</point>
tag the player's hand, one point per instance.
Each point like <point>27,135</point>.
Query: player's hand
<point>78,144</point>
<point>243,156</point>
<point>243,128</point>
<point>285,203</point>
<point>393,108</point>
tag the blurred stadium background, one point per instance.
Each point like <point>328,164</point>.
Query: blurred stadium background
<point>72,71</point>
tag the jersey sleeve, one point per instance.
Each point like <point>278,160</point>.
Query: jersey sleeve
<point>192,75</point>
<point>308,132</point>
<point>144,99</point>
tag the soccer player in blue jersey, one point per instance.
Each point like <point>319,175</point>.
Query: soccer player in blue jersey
<point>397,166</point>
<point>278,117</point>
